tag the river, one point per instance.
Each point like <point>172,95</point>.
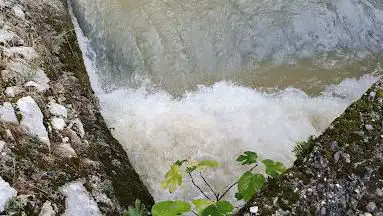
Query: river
<point>209,79</point>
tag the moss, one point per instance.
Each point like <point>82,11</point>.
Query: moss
<point>302,150</point>
<point>14,207</point>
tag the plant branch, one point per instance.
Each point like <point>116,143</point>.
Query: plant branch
<point>204,180</point>
<point>198,186</point>
<point>231,186</point>
<point>195,213</point>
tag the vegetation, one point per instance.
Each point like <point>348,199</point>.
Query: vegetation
<point>213,204</point>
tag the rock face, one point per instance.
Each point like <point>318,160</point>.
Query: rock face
<point>6,193</point>
<point>341,171</point>
<point>51,131</point>
<point>32,118</point>
<point>7,113</point>
<point>78,201</point>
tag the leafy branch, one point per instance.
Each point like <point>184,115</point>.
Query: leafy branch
<point>247,186</point>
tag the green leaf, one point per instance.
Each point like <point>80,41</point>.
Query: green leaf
<point>173,178</point>
<point>137,210</point>
<point>170,208</point>
<point>201,204</point>
<point>207,164</point>
<point>133,212</point>
<point>248,157</point>
<point>190,169</point>
<point>179,162</point>
<point>220,208</point>
<point>274,168</point>
<point>248,185</point>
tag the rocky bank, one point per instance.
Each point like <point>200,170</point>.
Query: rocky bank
<point>56,153</point>
<point>338,173</point>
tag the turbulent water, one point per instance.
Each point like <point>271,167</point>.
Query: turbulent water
<point>212,78</point>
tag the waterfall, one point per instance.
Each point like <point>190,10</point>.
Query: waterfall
<point>209,79</point>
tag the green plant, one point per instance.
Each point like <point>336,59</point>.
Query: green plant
<point>13,206</point>
<point>138,209</point>
<point>303,148</point>
<point>214,205</point>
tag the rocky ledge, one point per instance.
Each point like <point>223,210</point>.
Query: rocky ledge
<point>338,173</point>
<point>56,153</point>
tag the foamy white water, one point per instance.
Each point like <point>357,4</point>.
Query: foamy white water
<point>216,122</point>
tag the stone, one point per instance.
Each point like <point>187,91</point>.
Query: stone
<point>379,192</point>
<point>58,123</point>
<point>66,151</point>
<point>23,72</point>
<point>6,36</point>
<point>47,209</point>
<point>254,209</point>
<point>369,127</point>
<point>6,193</point>
<point>372,95</point>
<point>78,201</point>
<point>57,110</point>
<point>2,145</point>
<point>334,146</point>
<point>337,156</point>
<point>371,207</point>
<point>41,78</point>
<point>323,211</point>
<point>18,12</point>
<point>9,134</point>
<point>79,126</point>
<point>7,113</point>
<point>32,119</point>
<point>28,53</point>
<point>13,91</point>
<point>35,85</point>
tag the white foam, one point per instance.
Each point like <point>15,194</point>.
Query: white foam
<point>217,122</point>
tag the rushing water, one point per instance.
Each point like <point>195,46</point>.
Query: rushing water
<point>212,78</point>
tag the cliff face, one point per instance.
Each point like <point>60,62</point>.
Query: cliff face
<point>338,173</point>
<point>51,132</point>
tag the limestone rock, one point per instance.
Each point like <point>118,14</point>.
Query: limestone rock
<point>32,118</point>
<point>66,151</point>
<point>58,123</point>
<point>79,127</point>
<point>2,145</point>
<point>18,12</point>
<point>78,201</point>
<point>6,193</point>
<point>6,36</point>
<point>35,85</point>
<point>7,113</point>
<point>57,110</point>
<point>27,53</point>
<point>47,209</point>
<point>13,91</point>
<point>22,72</point>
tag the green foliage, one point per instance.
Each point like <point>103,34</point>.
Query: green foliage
<point>204,164</point>
<point>248,185</point>
<point>171,208</point>
<point>301,149</point>
<point>14,207</point>
<point>220,208</point>
<point>248,158</point>
<point>137,210</point>
<point>173,178</point>
<point>201,204</point>
<point>273,168</point>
